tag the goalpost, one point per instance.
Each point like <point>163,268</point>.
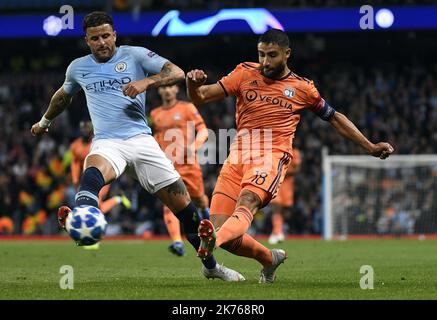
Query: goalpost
<point>364,195</point>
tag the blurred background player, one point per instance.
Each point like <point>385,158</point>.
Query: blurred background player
<point>270,97</point>
<point>180,131</point>
<point>6,226</point>
<point>281,205</point>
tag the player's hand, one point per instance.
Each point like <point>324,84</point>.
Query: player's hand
<point>36,130</point>
<point>382,150</point>
<point>196,77</point>
<point>134,88</point>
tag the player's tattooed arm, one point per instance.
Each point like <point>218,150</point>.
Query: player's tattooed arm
<point>347,129</point>
<point>170,74</point>
<point>58,103</point>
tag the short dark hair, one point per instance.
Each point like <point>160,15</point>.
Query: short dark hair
<point>97,18</point>
<point>275,36</point>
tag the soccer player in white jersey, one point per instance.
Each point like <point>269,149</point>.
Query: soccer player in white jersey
<point>115,80</point>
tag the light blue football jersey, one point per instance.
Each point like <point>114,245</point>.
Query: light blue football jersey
<point>114,115</point>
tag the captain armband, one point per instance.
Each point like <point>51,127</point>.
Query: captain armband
<point>324,110</point>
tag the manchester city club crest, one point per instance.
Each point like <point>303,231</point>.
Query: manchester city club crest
<point>120,67</point>
<point>289,92</point>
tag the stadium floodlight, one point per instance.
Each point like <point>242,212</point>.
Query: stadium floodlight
<point>384,18</point>
<point>363,195</point>
<point>52,25</point>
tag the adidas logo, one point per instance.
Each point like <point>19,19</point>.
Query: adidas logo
<point>253,83</point>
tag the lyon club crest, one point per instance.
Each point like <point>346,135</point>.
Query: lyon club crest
<point>289,92</point>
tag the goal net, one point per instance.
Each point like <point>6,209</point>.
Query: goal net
<point>363,195</point>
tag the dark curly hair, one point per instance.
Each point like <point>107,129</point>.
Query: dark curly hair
<point>97,18</point>
<point>275,36</point>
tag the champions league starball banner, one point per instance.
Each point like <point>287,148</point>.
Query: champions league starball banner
<point>68,23</point>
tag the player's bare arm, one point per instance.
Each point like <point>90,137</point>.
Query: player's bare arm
<point>170,74</point>
<point>201,134</point>
<point>347,129</point>
<point>58,103</point>
<point>200,93</point>
<point>201,138</point>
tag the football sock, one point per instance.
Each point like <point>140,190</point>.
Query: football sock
<point>235,226</point>
<point>90,184</point>
<point>172,224</point>
<point>277,223</point>
<point>205,213</point>
<point>246,246</point>
<point>190,220</point>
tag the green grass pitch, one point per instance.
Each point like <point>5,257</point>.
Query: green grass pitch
<point>315,269</point>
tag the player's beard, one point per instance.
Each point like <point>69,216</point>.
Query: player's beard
<point>273,73</point>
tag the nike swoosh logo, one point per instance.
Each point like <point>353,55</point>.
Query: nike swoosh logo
<point>85,74</point>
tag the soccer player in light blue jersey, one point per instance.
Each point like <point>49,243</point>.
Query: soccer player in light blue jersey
<point>115,80</point>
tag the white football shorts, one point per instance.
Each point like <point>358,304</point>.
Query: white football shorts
<point>141,157</point>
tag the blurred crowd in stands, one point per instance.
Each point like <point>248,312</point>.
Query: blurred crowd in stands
<point>386,84</point>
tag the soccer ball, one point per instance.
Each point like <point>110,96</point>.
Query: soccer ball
<point>86,225</point>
